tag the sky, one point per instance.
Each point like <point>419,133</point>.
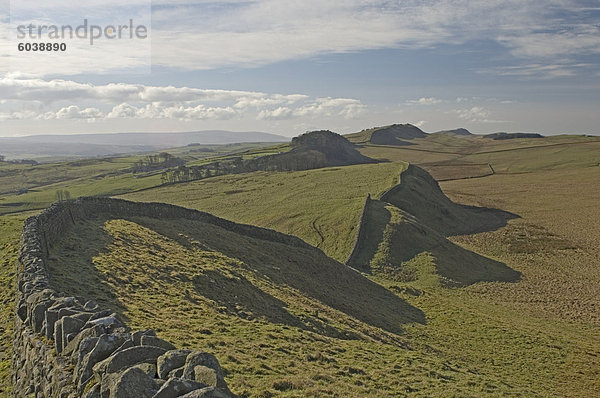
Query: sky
<point>286,67</point>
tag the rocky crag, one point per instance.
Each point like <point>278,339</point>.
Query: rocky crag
<point>69,347</point>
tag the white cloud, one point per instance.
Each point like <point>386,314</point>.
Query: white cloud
<point>538,70</point>
<point>199,112</point>
<point>259,101</point>
<point>424,101</point>
<point>577,40</point>
<point>476,114</point>
<point>345,107</point>
<point>276,114</point>
<point>123,110</point>
<point>266,31</point>
<point>178,112</point>
<point>74,112</point>
<point>473,114</point>
<point>155,102</point>
<point>18,115</point>
<point>49,91</point>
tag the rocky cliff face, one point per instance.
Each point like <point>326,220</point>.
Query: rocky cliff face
<point>69,347</point>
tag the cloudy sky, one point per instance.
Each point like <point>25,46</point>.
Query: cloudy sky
<point>287,66</point>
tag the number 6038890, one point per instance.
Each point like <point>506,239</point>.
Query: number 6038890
<point>42,46</point>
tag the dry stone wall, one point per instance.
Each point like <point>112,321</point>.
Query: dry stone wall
<point>68,347</point>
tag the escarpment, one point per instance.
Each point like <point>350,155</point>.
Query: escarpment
<point>70,347</point>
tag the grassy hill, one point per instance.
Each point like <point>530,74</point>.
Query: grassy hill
<point>512,136</point>
<point>312,150</point>
<point>254,304</point>
<point>459,131</point>
<point>26,187</point>
<point>455,157</point>
<point>395,134</point>
<point>415,217</point>
<point>337,150</point>
<point>532,337</point>
<point>253,301</point>
<point>50,147</point>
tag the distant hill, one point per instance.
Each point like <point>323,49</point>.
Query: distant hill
<point>510,136</point>
<point>336,149</point>
<point>16,148</point>
<point>395,134</point>
<point>313,150</point>
<point>90,145</point>
<point>459,131</point>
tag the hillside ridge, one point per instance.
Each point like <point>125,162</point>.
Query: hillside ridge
<point>415,216</point>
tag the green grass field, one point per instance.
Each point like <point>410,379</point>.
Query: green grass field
<point>202,288</point>
<point>535,337</point>
<point>320,206</point>
<point>34,187</point>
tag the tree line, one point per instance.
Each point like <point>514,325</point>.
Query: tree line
<point>290,161</point>
<point>159,161</point>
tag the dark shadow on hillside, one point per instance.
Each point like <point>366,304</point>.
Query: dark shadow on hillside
<point>461,267</point>
<point>73,272</point>
<point>378,217</point>
<point>457,266</point>
<point>309,271</point>
<point>239,297</point>
<point>71,268</point>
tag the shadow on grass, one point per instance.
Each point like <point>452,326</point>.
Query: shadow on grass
<point>377,217</point>
<point>241,288</point>
<point>73,272</point>
<point>408,237</point>
<point>308,271</point>
<point>238,296</point>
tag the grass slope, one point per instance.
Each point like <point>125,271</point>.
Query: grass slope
<point>238,296</point>
<point>395,134</point>
<point>537,337</point>
<point>554,245</point>
<point>420,195</point>
<point>320,206</point>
